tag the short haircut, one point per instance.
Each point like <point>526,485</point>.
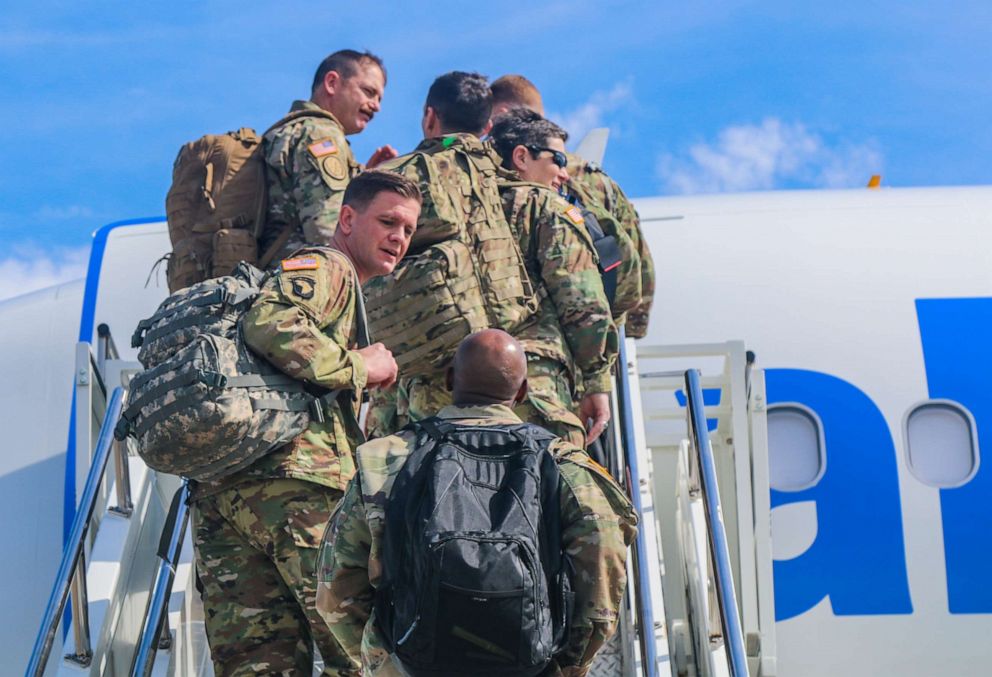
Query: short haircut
<point>346,63</point>
<point>462,101</point>
<point>363,188</point>
<point>522,127</point>
<point>516,90</point>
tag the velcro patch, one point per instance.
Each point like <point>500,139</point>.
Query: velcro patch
<point>574,215</point>
<point>322,148</point>
<point>302,263</point>
<point>303,287</point>
<point>334,167</point>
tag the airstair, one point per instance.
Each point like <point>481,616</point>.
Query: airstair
<point>689,442</point>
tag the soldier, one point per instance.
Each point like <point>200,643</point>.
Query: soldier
<point>512,91</point>
<point>572,345</point>
<point>307,156</point>
<point>256,533</point>
<point>597,522</point>
<point>456,113</point>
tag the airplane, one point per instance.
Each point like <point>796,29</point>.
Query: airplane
<point>841,340</point>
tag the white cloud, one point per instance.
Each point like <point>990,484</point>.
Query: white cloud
<point>590,114</point>
<point>30,268</point>
<point>772,154</point>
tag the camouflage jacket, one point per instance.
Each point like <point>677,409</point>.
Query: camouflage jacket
<point>308,164</point>
<point>574,324</point>
<point>304,322</point>
<point>444,183</point>
<point>598,523</point>
<point>594,182</point>
<point>627,292</point>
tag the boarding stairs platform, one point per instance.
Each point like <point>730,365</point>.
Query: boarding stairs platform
<point>689,441</point>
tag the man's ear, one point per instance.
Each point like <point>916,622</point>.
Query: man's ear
<point>521,393</point>
<point>520,156</point>
<point>332,80</point>
<point>346,220</point>
<point>429,125</point>
<point>488,128</point>
<point>449,379</point>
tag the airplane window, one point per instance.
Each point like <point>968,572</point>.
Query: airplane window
<point>796,457</point>
<point>941,443</point>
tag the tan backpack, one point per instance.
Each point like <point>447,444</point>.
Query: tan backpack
<point>216,206</point>
<point>464,272</point>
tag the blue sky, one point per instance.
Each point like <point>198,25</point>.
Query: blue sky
<point>700,97</point>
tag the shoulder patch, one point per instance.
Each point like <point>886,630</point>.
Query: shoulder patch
<point>303,287</point>
<point>323,147</point>
<point>574,215</point>
<point>334,167</point>
<point>301,263</point>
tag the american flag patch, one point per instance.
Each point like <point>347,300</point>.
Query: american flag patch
<point>302,263</point>
<point>322,148</point>
<point>574,215</point>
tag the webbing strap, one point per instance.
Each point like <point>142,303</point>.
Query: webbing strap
<point>276,404</point>
<point>218,296</point>
<point>167,328</point>
<point>215,297</point>
<point>423,328</point>
<point>445,340</point>
<point>281,381</point>
<point>401,312</point>
<point>163,413</point>
<point>183,378</point>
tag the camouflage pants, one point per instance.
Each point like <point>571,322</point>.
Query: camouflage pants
<point>256,547</point>
<point>549,402</point>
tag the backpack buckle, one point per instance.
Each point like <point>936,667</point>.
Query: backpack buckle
<point>212,379</point>
<point>316,410</point>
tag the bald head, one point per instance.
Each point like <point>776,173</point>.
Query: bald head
<point>515,91</point>
<point>490,367</point>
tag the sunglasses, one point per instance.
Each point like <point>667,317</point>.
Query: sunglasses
<point>557,156</point>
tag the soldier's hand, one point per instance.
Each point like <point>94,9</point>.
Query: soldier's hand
<point>380,365</point>
<point>595,410</point>
<point>381,154</point>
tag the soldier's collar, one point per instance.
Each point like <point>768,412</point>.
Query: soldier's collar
<point>500,411</point>
<point>460,140</point>
<point>301,104</point>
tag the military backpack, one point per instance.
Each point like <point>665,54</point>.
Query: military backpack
<point>206,406</point>
<point>464,271</point>
<point>216,205</point>
<point>474,579</point>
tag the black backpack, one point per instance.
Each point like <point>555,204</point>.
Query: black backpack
<point>474,579</point>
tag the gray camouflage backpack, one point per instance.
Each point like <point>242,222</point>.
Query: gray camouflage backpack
<point>206,406</point>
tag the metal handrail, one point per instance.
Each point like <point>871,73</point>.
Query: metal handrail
<point>644,610</point>
<point>74,548</point>
<point>156,614</point>
<point>730,619</point>
<point>106,349</point>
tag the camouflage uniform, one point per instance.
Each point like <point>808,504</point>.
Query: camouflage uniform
<point>573,343</point>
<point>308,165</point>
<point>597,520</point>
<point>627,290</point>
<point>594,182</point>
<point>256,533</point>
